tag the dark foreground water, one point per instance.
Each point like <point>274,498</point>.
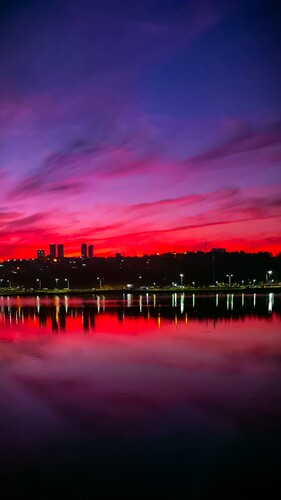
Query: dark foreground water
<point>140,397</point>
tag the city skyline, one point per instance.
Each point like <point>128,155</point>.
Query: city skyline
<point>145,127</point>
<point>85,251</point>
<point>57,250</point>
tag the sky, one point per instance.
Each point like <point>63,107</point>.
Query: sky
<point>139,126</point>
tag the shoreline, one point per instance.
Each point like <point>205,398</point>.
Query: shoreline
<point>155,291</point>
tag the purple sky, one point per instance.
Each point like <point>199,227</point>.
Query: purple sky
<point>139,126</point>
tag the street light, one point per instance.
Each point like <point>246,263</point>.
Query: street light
<point>9,283</point>
<point>67,280</point>
<point>99,281</point>
<point>181,277</point>
<point>229,276</point>
<point>267,274</point>
<point>56,280</point>
<point>39,283</point>
<point>193,284</point>
<point>1,282</point>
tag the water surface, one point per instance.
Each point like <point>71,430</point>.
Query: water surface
<point>140,396</point>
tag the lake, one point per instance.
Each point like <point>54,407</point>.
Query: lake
<point>175,396</point>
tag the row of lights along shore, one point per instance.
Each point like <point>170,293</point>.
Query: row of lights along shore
<point>268,281</point>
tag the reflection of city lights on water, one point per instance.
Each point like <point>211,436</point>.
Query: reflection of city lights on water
<point>270,302</point>
<point>182,303</point>
<point>61,313</point>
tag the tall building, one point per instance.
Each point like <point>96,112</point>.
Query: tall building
<point>40,254</point>
<point>91,251</point>
<point>60,252</point>
<point>83,250</point>
<point>53,251</point>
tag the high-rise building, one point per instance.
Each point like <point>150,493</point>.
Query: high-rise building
<point>40,254</point>
<point>91,251</point>
<point>60,252</point>
<point>53,251</point>
<point>83,250</point>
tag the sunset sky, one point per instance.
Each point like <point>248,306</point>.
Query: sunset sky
<point>139,126</point>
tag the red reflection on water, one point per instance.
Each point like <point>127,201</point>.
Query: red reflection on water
<point>133,370</point>
<point>73,373</point>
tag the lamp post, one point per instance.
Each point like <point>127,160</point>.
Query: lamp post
<point>1,282</point>
<point>267,274</point>
<point>67,281</point>
<point>181,277</point>
<point>9,284</point>
<point>99,280</point>
<point>56,280</point>
<point>39,283</point>
<point>229,276</point>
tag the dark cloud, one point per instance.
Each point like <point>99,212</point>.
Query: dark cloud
<point>190,199</point>
<point>251,205</point>
<point>28,221</point>
<point>247,140</point>
<point>72,169</point>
